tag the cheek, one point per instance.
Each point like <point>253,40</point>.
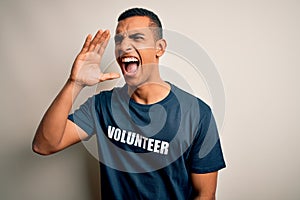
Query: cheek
<point>148,55</point>
<point>116,51</point>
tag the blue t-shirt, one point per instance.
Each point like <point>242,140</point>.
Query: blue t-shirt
<point>149,151</point>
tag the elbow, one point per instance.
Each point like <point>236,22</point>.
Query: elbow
<point>41,149</point>
<point>42,145</point>
<point>36,149</point>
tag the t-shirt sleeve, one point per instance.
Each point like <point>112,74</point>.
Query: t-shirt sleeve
<point>206,153</point>
<point>84,116</point>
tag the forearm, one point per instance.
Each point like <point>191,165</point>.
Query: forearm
<point>205,197</point>
<point>205,185</point>
<point>51,128</point>
<point>55,132</point>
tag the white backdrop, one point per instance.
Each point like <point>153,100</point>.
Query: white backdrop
<point>254,44</point>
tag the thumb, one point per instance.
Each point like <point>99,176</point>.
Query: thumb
<point>108,76</point>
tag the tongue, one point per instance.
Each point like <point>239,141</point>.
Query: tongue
<point>131,67</point>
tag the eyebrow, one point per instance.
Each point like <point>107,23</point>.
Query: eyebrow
<point>120,36</point>
<point>135,34</point>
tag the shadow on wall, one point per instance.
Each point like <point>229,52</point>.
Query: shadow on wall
<point>93,175</point>
<point>72,174</point>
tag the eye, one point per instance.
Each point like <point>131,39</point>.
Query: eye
<point>137,37</point>
<point>118,38</point>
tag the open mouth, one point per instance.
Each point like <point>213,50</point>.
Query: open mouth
<point>130,65</point>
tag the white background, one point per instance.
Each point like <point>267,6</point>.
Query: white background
<point>254,44</point>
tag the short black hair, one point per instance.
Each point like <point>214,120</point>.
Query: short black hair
<point>132,12</point>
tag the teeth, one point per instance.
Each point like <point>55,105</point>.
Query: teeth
<point>129,59</point>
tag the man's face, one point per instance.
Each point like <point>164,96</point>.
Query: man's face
<point>135,50</point>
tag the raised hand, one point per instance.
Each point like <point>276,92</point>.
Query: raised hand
<point>86,70</point>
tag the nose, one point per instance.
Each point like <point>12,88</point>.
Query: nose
<point>125,46</point>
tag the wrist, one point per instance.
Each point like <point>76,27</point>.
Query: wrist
<point>75,84</point>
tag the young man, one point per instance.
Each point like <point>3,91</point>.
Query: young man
<point>154,140</point>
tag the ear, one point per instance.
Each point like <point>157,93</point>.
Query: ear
<point>161,46</point>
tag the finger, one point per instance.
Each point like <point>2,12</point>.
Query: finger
<point>104,44</point>
<point>95,40</point>
<point>86,43</point>
<point>109,76</point>
<point>104,37</point>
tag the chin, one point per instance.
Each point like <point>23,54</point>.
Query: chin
<point>132,83</point>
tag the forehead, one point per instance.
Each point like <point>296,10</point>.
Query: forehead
<point>133,23</point>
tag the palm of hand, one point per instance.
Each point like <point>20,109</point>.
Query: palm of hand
<point>86,68</point>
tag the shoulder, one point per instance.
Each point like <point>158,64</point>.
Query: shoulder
<point>107,94</point>
<point>189,100</point>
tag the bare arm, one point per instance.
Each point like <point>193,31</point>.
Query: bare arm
<point>205,185</point>
<point>55,131</point>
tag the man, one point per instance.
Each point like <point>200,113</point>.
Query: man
<point>153,138</point>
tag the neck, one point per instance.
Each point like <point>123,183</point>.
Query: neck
<point>150,92</point>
